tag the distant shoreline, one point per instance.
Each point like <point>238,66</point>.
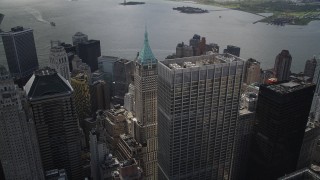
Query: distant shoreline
<point>283,12</point>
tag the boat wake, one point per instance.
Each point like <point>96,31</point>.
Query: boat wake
<point>36,14</point>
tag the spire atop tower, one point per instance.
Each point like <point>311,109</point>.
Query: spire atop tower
<point>146,34</point>
<point>146,56</point>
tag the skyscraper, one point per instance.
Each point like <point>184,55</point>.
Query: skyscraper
<point>310,142</point>
<point>89,51</point>
<point>281,117</point>
<point>54,114</point>
<point>79,37</point>
<point>58,60</point>
<point>129,99</point>
<point>252,71</point>
<point>19,150</point>
<point>310,67</point>
<point>122,77</point>
<point>282,65</point>
<point>71,51</point>
<point>234,50</point>
<point>244,132</point>
<point>82,96</point>
<point>100,94</point>
<point>145,79</point>
<point>198,104</point>
<point>98,151</point>
<point>183,50</point>
<point>21,53</point>
<point>106,65</point>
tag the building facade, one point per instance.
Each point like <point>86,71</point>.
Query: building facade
<point>281,117</point>
<point>234,50</point>
<point>183,50</point>
<point>20,52</point>
<point>82,96</point>
<point>145,80</point>
<point>79,37</point>
<point>106,65</point>
<point>310,67</point>
<point>98,151</point>
<point>19,149</point>
<point>244,134</point>
<point>122,76</point>
<point>198,104</point>
<point>52,104</point>
<point>89,51</point>
<point>100,95</point>
<point>308,154</point>
<point>252,71</point>
<point>282,65</point>
<point>58,60</point>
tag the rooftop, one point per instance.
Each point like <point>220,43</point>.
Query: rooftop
<point>46,81</point>
<point>108,58</point>
<point>244,111</point>
<point>303,174</point>
<point>287,87</point>
<point>56,174</point>
<point>198,61</point>
<point>130,141</point>
<point>79,34</point>
<point>128,162</point>
<point>55,49</point>
<point>79,76</point>
<point>110,162</point>
<point>16,30</point>
<point>117,111</point>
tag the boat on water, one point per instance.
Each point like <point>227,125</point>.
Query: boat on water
<point>52,24</point>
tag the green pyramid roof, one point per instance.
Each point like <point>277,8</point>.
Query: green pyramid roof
<point>145,55</point>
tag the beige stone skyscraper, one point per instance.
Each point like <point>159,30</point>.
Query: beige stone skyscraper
<point>145,80</point>
<point>58,60</point>
<point>252,71</point>
<point>282,65</point>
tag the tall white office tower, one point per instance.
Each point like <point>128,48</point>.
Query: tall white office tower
<point>145,80</point>
<point>198,104</point>
<point>58,60</point>
<point>19,150</point>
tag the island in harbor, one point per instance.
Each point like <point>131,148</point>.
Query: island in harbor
<point>190,10</point>
<point>131,3</point>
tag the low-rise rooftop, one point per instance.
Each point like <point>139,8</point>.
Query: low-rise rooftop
<point>130,141</point>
